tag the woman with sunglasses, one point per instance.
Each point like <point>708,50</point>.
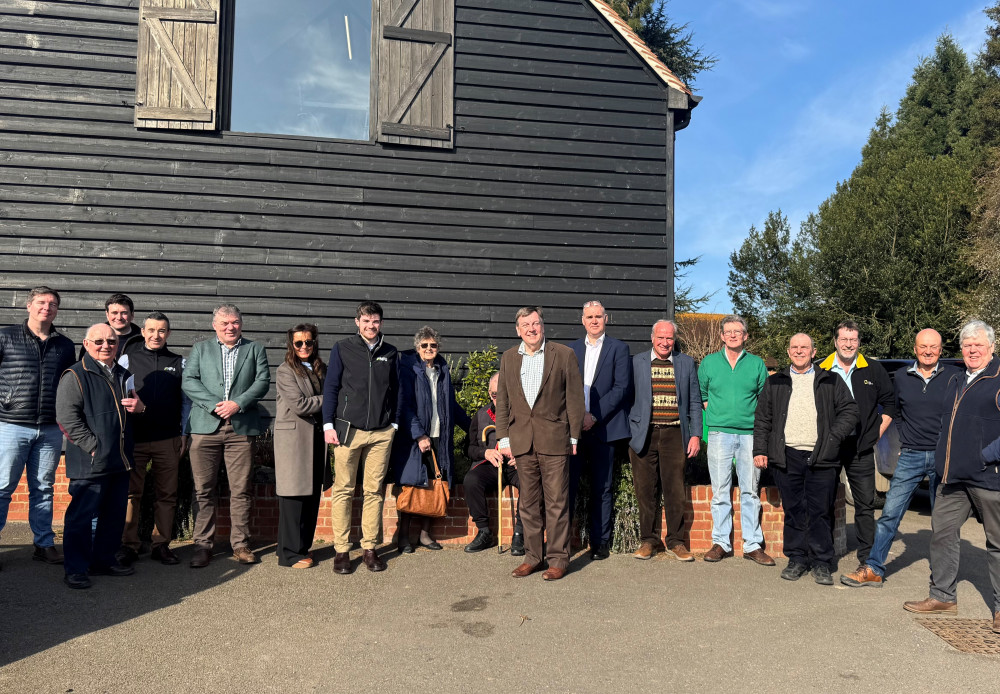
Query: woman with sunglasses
<point>428,415</point>
<point>301,468</point>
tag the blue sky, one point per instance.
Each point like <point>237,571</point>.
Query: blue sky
<point>786,110</point>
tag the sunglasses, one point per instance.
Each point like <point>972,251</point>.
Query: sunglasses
<point>111,343</point>
<point>428,345</point>
<point>299,344</point>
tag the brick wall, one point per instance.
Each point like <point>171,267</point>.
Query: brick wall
<point>457,528</point>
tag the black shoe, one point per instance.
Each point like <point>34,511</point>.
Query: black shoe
<point>821,574</point>
<point>404,546</point>
<point>484,540</point>
<point>342,563</point>
<point>433,544</point>
<point>49,555</point>
<point>165,555</point>
<point>113,570</point>
<point>126,556</point>
<point>602,551</point>
<point>794,571</point>
<point>76,581</point>
<point>517,545</point>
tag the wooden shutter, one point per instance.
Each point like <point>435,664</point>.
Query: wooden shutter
<point>416,72</point>
<point>178,64</point>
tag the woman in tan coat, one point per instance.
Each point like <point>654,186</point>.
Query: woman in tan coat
<point>301,467</point>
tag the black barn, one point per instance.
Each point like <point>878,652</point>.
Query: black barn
<point>512,152</point>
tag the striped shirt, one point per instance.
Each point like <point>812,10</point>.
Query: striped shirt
<point>532,368</point>
<point>229,355</point>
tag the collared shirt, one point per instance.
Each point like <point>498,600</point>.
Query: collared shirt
<point>971,375</point>
<point>652,356</point>
<point>915,370</point>
<point>229,355</point>
<point>590,360</point>
<point>792,371</point>
<point>846,375</point>
<point>532,368</point>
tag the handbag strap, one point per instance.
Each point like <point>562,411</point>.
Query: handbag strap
<point>437,470</point>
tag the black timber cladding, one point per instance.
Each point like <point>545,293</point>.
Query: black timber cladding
<point>553,194</point>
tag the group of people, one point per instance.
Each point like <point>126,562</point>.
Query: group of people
<point>556,413</point>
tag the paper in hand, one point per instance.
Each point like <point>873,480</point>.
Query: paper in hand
<point>130,385</point>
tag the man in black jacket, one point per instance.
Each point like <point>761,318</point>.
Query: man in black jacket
<point>872,391</point>
<point>33,354</point>
<point>94,404</point>
<point>802,415</point>
<point>359,420</point>
<point>160,436</point>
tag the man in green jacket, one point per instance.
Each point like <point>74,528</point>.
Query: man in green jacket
<point>225,378</point>
<point>731,379</point>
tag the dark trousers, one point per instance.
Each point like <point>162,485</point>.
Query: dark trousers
<point>659,469</point>
<point>104,498</point>
<point>297,517</point>
<point>480,483</point>
<point>545,484</point>
<point>596,458</point>
<point>953,507</point>
<point>859,466</point>
<point>165,457</point>
<point>807,495</point>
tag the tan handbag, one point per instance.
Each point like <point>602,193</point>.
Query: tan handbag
<point>426,501</point>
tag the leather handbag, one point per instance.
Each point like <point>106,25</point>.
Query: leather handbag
<point>426,501</point>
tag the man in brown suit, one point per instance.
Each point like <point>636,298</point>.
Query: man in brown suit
<point>539,413</point>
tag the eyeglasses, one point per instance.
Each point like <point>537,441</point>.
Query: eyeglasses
<point>299,344</point>
<point>493,393</point>
<point>848,341</point>
<point>111,343</point>
<point>733,333</point>
<point>428,345</point>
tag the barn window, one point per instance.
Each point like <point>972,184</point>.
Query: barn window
<point>313,68</point>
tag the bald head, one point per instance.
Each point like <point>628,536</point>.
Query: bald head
<point>101,342</point>
<point>927,348</point>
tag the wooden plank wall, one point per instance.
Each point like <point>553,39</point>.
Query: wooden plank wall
<point>553,194</point>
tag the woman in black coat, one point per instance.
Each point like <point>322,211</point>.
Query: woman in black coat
<point>428,414</point>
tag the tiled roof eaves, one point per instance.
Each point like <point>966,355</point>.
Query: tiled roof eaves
<point>657,65</point>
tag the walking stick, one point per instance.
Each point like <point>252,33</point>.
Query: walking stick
<point>486,430</point>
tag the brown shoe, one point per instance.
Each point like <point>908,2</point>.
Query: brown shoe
<point>202,557</point>
<point>244,556</point>
<point>342,563</point>
<point>680,553</point>
<point>996,623</point>
<point>165,555</point>
<point>760,557</point>
<point>931,606</point>
<point>863,576</point>
<point>304,563</point>
<point>371,560</point>
<point>646,550</point>
<point>553,573</point>
<point>716,554</point>
<point>526,569</point>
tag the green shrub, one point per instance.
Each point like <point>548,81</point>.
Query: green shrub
<point>472,394</point>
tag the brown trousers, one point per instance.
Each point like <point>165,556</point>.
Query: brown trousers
<point>165,458</point>
<point>545,482</point>
<point>207,454</point>
<point>659,467</point>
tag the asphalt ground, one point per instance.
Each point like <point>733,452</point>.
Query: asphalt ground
<point>447,621</point>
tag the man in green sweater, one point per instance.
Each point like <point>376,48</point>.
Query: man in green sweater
<point>731,379</point>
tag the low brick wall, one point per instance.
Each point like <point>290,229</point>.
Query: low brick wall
<point>457,528</point>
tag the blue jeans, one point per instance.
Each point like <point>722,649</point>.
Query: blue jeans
<point>722,448</point>
<point>37,449</point>
<point>911,469</point>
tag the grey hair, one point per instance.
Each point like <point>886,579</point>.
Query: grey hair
<point>663,320</point>
<point>973,328</point>
<point>227,309</point>
<point>86,335</point>
<point>426,333</point>
<point>812,344</point>
<point>732,318</point>
<point>595,302</point>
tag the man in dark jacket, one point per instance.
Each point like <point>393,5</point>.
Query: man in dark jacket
<point>160,436</point>
<point>802,415</point>
<point>920,404</point>
<point>968,469</point>
<point>871,388</point>
<point>359,420</point>
<point>33,354</point>
<point>94,402</point>
<point>119,309</point>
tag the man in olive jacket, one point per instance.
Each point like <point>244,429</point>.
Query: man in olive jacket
<point>225,378</point>
<point>803,413</point>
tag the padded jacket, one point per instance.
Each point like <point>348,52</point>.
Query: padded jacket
<point>29,374</point>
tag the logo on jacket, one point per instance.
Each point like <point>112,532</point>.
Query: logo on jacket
<point>169,368</point>
<point>381,358</point>
<point>868,383</point>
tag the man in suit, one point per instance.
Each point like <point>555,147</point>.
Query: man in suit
<point>607,376</point>
<point>225,378</point>
<point>539,421</point>
<point>665,422</point>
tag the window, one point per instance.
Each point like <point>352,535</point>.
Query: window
<point>302,67</point>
